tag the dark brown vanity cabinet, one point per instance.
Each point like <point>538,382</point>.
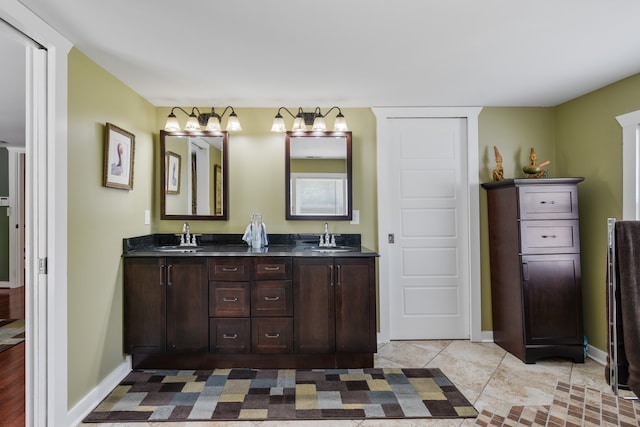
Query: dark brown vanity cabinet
<point>195,312</point>
<point>535,267</point>
<point>165,305</point>
<point>334,300</point>
<point>250,305</point>
<point>272,305</point>
<point>230,305</point>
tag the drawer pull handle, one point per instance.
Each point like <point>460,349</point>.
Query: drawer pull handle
<point>272,336</point>
<point>544,202</point>
<point>229,269</point>
<point>230,337</point>
<point>272,268</point>
<point>549,236</point>
<point>225,299</point>
<point>271,298</point>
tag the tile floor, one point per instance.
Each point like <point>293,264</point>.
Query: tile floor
<point>487,375</point>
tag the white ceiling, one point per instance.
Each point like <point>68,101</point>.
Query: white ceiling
<point>355,53</point>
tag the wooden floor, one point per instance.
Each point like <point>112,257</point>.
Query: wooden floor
<point>12,379</point>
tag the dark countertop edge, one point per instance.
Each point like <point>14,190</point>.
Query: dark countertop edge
<point>232,245</point>
<point>531,181</point>
<point>301,252</point>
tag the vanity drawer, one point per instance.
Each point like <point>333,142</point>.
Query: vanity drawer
<point>270,268</point>
<point>229,299</point>
<point>272,335</point>
<point>546,237</point>
<point>546,202</point>
<point>230,268</point>
<point>271,298</point>
<point>229,335</point>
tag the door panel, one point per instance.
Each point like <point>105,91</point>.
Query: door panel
<point>429,295</point>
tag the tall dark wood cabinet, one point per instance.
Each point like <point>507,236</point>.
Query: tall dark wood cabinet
<point>534,246</point>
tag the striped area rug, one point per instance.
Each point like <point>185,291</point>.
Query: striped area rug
<point>282,394</point>
<point>11,333</point>
<point>573,405</point>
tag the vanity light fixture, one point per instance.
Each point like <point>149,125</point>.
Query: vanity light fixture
<point>210,120</point>
<point>315,119</point>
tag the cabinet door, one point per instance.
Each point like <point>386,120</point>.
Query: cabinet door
<point>313,305</point>
<point>552,299</point>
<point>355,305</point>
<point>187,304</point>
<point>144,305</point>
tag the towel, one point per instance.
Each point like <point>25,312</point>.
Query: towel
<point>628,266</point>
<point>262,239</point>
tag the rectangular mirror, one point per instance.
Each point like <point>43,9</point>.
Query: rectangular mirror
<point>318,175</point>
<point>194,171</point>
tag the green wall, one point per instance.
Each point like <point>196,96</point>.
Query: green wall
<point>589,144</point>
<point>99,217</point>
<point>513,131</point>
<point>4,219</point>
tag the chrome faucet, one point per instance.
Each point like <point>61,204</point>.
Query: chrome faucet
<point>186,238</point>
<point>327,240</point>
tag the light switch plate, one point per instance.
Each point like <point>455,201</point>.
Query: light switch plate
<point>355,217</point>
<point>147,217</point>
<point>4,201</point>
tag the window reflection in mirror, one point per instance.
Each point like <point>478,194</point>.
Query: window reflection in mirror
<point>194,170</point>
<point>318,175</point>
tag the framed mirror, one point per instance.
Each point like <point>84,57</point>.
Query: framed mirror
<point>318,175</point>
<point>194,170</point>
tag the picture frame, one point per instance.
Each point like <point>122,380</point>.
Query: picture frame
<point>172,180</point>
<point>119,152</point>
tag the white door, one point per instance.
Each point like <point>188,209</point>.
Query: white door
<point>429,283</point>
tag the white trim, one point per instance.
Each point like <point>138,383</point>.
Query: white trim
<point>473,214</point>
<point>46,370</point>
<point>597,355</point>
<point>99,393</point>
<point>630,123</point>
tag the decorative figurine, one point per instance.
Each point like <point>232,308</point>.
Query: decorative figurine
<point>533,170</point>
<point>498,172</point>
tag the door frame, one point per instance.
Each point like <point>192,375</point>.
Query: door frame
<point>385,227</point>
<point>46,371</point>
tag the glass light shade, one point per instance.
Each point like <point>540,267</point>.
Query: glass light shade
<point>213,124</point>
<point>172,124</point>
<point>299,124</point>
<point>319,124</point>
<point>192,123</point>
<point>340,125</point>
<point>233,124</point>
<point>278,125</point>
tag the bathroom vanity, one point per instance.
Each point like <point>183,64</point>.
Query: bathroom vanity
<point>292,304</point>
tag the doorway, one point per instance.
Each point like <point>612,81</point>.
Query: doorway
<point>460,256</point>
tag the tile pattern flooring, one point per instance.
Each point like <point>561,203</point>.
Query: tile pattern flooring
<point>492,379</point>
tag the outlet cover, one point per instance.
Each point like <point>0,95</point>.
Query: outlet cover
<point>355,217</point>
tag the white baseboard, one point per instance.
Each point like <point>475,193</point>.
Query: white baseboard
<point>597,355</point>
<point>95,396</point>
<point>486,336</point>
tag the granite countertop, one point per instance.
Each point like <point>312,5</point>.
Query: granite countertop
<point>348,245</point>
